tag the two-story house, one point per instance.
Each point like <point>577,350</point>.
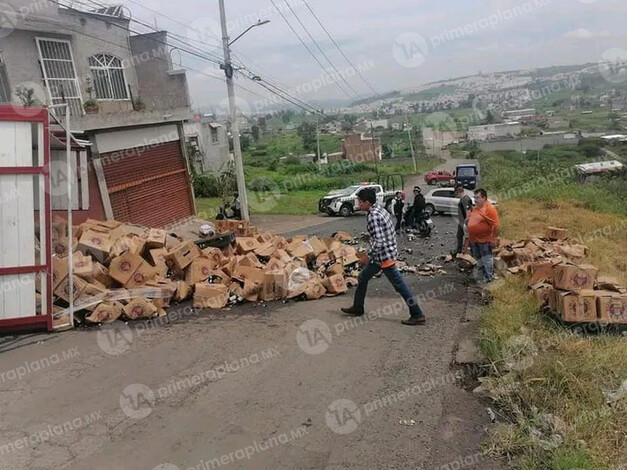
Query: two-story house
<point>128,104</point>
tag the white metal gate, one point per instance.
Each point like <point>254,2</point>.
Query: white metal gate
<point>25,258</point>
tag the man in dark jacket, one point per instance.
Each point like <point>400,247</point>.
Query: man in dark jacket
<point>464,207</point>
<point>418,206</point>
<point>398,209</point>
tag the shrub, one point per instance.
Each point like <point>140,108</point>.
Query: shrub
<point>206,186</point>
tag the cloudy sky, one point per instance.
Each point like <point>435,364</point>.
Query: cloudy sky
<point>399,43</point>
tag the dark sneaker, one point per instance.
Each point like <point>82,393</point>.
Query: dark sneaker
<point>356,312</point>
<point>414,321</point>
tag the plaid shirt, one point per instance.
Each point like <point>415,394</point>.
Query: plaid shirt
<point>382,237</point>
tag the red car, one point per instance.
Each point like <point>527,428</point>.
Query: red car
<point>439,176</point>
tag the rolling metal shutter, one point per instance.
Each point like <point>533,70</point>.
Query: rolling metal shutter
<point>149,185</point>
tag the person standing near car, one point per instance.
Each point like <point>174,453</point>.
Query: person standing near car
<point>418,206</point>
<point>483,227</point>
<point>464,206</point>
<point>381,256</point>
<point>398,209</point>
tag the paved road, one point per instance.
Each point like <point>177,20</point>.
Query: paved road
<point>285,385</point>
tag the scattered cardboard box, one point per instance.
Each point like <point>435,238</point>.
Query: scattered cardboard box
<point>139,308</point>
<point>124,266</point>
<point>105,312</point>
<point>246,244</point>
<point>182,255</point>
<point>574,277</point>
<point>156,238</point>
<point>199,270</point>
<point>210,295</point>
<point>612,307</point>
<point>96,244</point>
<point>556,233</point>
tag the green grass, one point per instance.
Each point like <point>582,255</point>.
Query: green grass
<point>548,382</point>
<point>294,189</point>
<point>550,178</point>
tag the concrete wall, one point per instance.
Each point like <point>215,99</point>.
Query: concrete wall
<point>160,86</point>
<point>45,19</point>
<point>532,143</point>
<point>213,156</point>
<point>164,92</point>
<point>488,131</point>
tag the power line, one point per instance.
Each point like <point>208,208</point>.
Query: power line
<point>150,27</point>
<point>281,93</point>
<point>200,72</point>
<point>340,49</point>
<point>321,51</point>
<point>307,47</point>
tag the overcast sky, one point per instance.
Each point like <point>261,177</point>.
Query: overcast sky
<point>400,43</point>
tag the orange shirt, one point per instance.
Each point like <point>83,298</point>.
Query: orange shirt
<point>483,224</point>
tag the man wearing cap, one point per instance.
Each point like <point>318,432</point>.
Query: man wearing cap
<point>418,206</point>
<point>381,256</point>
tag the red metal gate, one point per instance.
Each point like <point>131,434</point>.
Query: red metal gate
<point>25,215</point>
<point>148,186</point>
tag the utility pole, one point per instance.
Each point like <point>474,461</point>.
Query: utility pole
<point>374,152</point>
<point>411,146</point>
<point>237,149</point>
<point>318,143</point>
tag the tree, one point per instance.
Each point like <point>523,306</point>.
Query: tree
<point>244,142</point>
<point>255,132</point>
<point>286,115</point>
<point>307,132</point>
<point>489,118</point>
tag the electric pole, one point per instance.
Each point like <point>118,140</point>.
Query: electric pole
<point>237,149</point>
<point>374,152</point>
<point>318,143</point>
<point>411,146</point>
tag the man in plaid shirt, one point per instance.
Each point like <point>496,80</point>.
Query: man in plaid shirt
<point>381,256</point>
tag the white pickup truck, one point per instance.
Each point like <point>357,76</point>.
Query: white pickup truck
<point>344,201</point>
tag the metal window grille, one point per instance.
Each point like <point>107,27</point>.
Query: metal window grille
<point>214,135</point>
<point>109,80</point>
<point>59,72</point>
<point>4,91</point>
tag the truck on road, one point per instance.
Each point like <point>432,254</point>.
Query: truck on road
<point>468,175</point>
<point>344,201</point>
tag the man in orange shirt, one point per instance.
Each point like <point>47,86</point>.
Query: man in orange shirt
<point>483,227</point>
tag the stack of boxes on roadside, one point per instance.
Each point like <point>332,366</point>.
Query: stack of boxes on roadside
<point>131,272</point>
<point>561,280</point>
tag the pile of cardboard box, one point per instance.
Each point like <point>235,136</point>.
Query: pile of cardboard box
<point>131,272</point>
<point>560,279</point>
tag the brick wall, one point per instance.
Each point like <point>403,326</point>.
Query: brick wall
<point>357,149</point>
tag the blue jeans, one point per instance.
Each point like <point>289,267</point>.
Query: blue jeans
<point>482,252</point>
<point>395,278</point>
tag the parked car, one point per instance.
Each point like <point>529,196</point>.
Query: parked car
<point>344,201</point>
<point>439,176</point>
<point>444,201</point>
<point>467,175</point>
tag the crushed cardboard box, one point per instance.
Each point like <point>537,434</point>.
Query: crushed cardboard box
<point>125,271</point>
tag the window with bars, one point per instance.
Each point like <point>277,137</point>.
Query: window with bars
<point>57,64</point>
<point>108,75</point>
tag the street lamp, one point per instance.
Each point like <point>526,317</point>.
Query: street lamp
<point>228,72</point>
<point>258,23</point>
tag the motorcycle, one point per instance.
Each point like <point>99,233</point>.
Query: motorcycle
<point>423,223</point>
<point>230,211</point>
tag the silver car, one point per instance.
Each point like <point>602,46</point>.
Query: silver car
<point>444,201</point>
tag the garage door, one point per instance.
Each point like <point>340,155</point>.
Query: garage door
<point>149,185</point>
